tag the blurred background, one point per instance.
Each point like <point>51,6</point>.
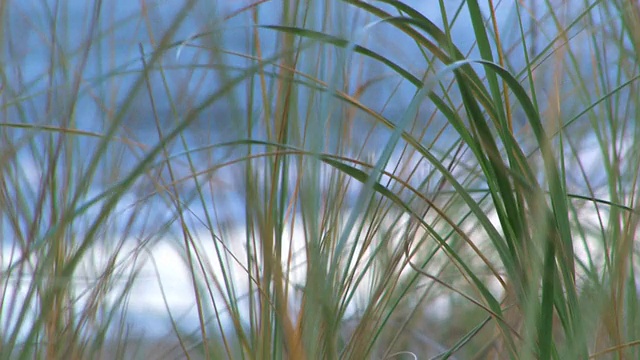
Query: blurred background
<point>140,166</point>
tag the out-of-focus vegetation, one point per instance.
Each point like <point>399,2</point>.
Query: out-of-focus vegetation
<point>342,179</point>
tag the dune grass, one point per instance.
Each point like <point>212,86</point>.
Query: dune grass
<point>342,179</point>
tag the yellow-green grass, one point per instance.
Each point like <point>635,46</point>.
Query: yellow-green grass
<point>340,179</point>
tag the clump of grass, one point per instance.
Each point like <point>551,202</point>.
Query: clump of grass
<point>355,180</point>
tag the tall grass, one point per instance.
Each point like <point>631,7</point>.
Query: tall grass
<point>342,179</point>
